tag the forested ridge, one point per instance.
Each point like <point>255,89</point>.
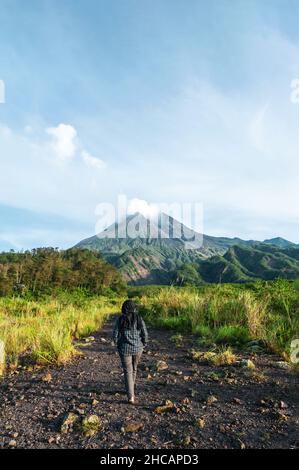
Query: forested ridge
<point>44,270</point>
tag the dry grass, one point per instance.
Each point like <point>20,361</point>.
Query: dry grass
<point>230,314</point>
<point>224,357</point>
<point>43,332</point>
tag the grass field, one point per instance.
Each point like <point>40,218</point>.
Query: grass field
<point>228,314</point>
<point>43,331</point>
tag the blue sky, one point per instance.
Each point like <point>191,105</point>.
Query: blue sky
<point>164,101</point>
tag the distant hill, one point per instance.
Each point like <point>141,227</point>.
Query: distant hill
<point>158,249</point>
<point>280,242</point>
<point>261,261</point>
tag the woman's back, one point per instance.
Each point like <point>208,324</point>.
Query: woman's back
<point>130,336</point>
<point>130,339</point>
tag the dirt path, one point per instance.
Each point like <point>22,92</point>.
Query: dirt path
<point>253,409</point>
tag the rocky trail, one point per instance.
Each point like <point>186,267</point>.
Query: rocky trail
<point>182,403</point>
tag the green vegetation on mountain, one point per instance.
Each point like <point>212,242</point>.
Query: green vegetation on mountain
<point>148,259</point>
<point>244,263</point>
<point>187,275</point>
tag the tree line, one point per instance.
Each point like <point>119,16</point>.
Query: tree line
<point>44,270</point>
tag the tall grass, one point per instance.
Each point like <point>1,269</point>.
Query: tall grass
<point>230,314</point>
<point>43,332</point>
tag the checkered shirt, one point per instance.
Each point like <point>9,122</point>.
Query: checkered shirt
<point>132,341</point>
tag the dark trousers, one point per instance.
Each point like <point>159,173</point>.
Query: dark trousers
<point>129,365</point>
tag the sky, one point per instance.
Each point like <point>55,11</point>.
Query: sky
<point>162,101</point>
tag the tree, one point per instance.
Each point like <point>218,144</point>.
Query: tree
<point>187,275</point>
<point>44,270</point>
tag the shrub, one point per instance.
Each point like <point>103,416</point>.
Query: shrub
<point>232,335</point>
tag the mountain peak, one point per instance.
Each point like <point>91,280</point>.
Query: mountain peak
<point>279,242</point>
<point>157,227</point>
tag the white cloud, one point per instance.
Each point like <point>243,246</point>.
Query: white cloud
<point>63,141</point>
<point>143,207</point>
<point>92,162</point>
<point>30,178</point>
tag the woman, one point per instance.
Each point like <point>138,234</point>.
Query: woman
<point>130,336</point>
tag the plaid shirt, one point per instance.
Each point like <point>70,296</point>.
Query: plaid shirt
<point>132,341</point>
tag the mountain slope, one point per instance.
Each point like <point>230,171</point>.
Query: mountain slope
<point>280,243</point>
<point>153,250</point>
<point>261,261</point>
<point>150,252</point>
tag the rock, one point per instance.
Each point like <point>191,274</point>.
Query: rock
<point>47,378</point>
<point>211,399</point>
<point>68,422</point>
<point>186,441</point>
<point>187,378</point>
<point>185,401</point>
<point>15,435</point>
<point>12,443</point>
<point>51,440</point>
<point>133,427</point>
<point>282,365</point>
<point>281,416</point>
<point>90,425</point>
<point>168,406</point>
<point>90,339</point>
<point>201,423</point>
<point>283,405</point>
<point>161,365</point>
<point>238,401</point>
<point>257,346</point>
